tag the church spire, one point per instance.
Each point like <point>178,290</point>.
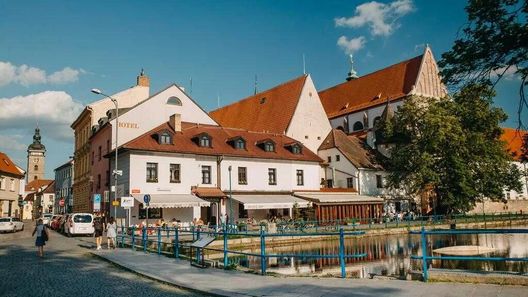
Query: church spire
<point>37,144</point>
<point>352,74</point>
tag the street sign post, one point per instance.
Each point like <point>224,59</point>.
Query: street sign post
<point>127,202</point>
<point>146,199</point>
<point>97,203</point>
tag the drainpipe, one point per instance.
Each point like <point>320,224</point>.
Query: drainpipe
<point>219,160</point>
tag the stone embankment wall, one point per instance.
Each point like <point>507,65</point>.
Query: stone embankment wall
<point>513,206</point>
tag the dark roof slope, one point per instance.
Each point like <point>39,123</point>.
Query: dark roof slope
<point>353,148</point>
<point>268,111</point>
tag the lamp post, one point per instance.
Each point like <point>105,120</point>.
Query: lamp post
<point>230,198</point>
<point>115,172</point>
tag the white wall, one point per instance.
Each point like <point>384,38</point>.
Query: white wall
<point>340,170</point>
<point>309,123</point>
<point>126,98</point>
<point>368,185</point>
<point>354,117</point>
<point>155,111</point>
<point>513,195</point>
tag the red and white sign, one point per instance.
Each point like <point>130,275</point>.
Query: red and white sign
<point>135,191</point>
<point>61,202</point>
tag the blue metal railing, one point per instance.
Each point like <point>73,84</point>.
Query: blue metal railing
<point>130,234</point>
<point>425,257</point>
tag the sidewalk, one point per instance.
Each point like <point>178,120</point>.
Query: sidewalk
<point>234,283</point>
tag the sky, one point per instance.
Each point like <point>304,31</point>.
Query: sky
<point>52,53</point>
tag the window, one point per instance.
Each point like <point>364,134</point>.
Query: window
<point>93,157</point>
<point>358,126</point>
<point>206,174</point>
<point>329,183</point>
<point>379,181</point>
<point>269,146</point>
<point>240,144</point>
<point>305,136</point>
<point>175,173</point>
<point>107,183</point>
<point>12,187</point>
<point>205,141</point>
<point>318,137</point>
<point>35,167</point>
<point>2,184</point>
<point>296,149</point>
<point>338,158</point>
<point>100,152</point>
<point>174,101</point>
<point>165,138</point>
<point>153,213</point>
<point>98,181</point>
<point>272,176</point>
<point>107,145</point>
<point>242,175</point>
<point>329,159</point>
<point>350,182</point>
<point>300,177</point>
<point>376,121</point>
<point>152,172</point>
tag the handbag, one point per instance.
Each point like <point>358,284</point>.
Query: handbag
<point>44,235</point>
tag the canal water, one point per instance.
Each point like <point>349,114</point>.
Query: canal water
<point>389,255</point>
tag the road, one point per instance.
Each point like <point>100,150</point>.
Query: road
<point>67,269</point>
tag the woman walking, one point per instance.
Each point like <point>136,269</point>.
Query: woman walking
<point>42,237</point>
<point>111,232</point>
<point>98,231</point>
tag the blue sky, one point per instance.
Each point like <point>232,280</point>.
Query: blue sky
<point>222,45</point>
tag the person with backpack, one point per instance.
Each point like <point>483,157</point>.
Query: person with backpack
<point>42,237</point>
<point>98,231</point>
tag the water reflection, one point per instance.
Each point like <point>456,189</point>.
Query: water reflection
<point>389,255</point>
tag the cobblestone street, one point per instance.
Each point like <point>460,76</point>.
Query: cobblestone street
<point>67,269</point>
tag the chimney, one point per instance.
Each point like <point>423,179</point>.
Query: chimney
<point>175,122</point>
<point>142,79</point>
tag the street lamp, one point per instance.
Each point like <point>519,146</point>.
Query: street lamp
<point>115,172</point>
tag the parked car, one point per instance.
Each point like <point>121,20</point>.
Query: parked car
<point>55,222</point>
<point>80,224</point>
<point>11,225</point>
<point>46,218</point>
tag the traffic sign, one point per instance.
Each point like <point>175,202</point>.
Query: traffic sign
<point>115,203</point>
<point>146,199</point>
<point>97,202</point>
<point>127,201</point>
<point>61,202</point>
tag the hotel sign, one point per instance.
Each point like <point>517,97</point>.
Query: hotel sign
<point>128,125</point>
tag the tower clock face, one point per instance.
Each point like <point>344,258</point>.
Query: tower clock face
<point>35,160</point>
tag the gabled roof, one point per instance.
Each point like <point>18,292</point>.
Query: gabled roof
<point>393,82</point>
<point>183,143</point>
<point>8,167</point>
<point>353,148</point>
<point>268,111</point>
<point>514,142</point>
<point>50,189</point>
<point>36,184</point>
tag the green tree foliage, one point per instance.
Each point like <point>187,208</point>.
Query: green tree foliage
<point>493,44</point>
<point>452,147</point>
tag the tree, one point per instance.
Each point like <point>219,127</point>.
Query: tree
<point>451,147</point>
<point>493,45</point>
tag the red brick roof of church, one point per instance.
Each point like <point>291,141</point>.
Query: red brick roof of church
<point>393,82</point>
<point>7,166</point>
<point>268,111</point>
<point>514,141</point>
<point>183,142</point>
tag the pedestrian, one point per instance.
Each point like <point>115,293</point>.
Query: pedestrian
<point>98,231</point>
<point>42,237</point>
<point>111,232</point>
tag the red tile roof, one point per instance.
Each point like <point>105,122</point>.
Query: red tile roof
<point>268,111</point>
<point>394,82</point>
<point>183,143</point>
<point>514,141</point>
<point>34,185</point>
<point>353,148</point>
<point>8,167</point>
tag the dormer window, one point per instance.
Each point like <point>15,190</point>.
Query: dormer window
<point>237,142</point>
<point>203,140</point>
<point>165,138</point>
<point>295,148</point>
<point>267,145</point>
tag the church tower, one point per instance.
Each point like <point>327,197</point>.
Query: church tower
<point>36,158</point>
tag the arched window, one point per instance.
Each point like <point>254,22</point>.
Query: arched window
<point>35,167</point>
<point>269,146</point>
<point>296,149</point>
<point>174,101</point>
<point>341,128</point>
<point>165,138</point>
<point>240,144</point>
<point>358,126</point>
<point>205,141</point>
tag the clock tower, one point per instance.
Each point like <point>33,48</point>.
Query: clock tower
<point>36,158</point>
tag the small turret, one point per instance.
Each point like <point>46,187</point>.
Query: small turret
<point>36,145</point>
<point>352,74</point>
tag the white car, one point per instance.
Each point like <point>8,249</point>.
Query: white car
<point>46,218</point>
<point>80,223</point>
<point>11,225</point>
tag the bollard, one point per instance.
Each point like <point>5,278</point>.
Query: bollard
<point>342,252</point>
<point>424,255</point>
<point>192,231</point>
<point>159,241</point>
<point>176,243</point>
<point>134,238</point>
<point>263,252</point>
<point>145,237</point>
<point>225,248</point>
<point>122,236</point>
<point>198,250</point>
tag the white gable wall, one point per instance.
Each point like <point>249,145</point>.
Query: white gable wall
<point>126,98</point>
<point>155,111</point>
<point>309,123</point>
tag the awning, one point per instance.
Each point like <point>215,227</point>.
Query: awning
<point>270,201</point>
<point>207,192</point>
<point>172,200</point>
<point>338,198</point>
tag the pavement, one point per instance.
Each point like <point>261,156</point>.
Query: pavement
<point>235,283</point>
<point>68,269</point>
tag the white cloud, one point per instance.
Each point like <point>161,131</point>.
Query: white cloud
<point>27,75</point>
<point>508,73</point>
<point>351,46</point>
<point>12,143</point>
<point>53,110</point>
<point>381,18</point>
